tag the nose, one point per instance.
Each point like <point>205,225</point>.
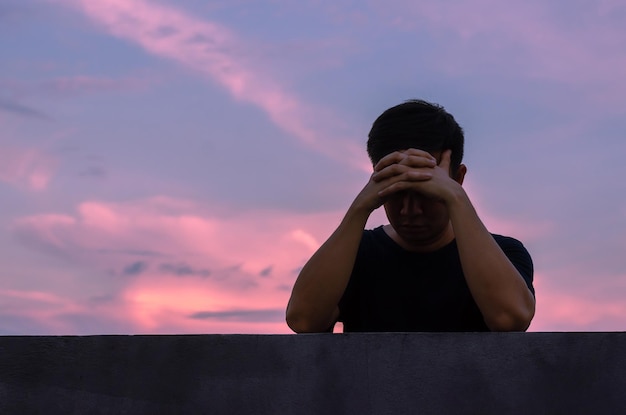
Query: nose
<point>411,204</point>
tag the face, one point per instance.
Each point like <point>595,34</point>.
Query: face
<point>418,220</point>
<point>421,222</point>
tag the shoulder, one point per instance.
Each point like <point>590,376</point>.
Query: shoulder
<point>375,241</point>
<point>374,235</point>
<point>507,241</point>
<point>518,255</point>
<point>511,246</point>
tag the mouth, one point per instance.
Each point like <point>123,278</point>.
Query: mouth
<point>415,224</point>
<point>414,228</point>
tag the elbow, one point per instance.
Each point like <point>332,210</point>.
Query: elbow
<point>294,322</point>
<point>518,320</point>
<point>300,326</point>
<point>301,323</point>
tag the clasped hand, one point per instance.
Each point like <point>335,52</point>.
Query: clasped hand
<point>408,170</point>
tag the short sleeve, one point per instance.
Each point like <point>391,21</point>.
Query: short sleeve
<point>519,257</point>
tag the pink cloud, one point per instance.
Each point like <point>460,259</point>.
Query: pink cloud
<point>525,229</point>
<point>181,267</point>
<point>158,303</point>
<point>568,299</point>
<point>36,306</point>
<point>214,50</point>
<point>28,168</point>
<point>577,308</point>
<point>172,260</point>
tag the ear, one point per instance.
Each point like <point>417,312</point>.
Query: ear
<point>460,174</point>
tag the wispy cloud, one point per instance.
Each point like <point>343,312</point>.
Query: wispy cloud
<point>70,86</point>
<point>155,302</point>
<point>526,229</point>
<point>182,269</point>
<point>566,309</point>
<point>255,240</point>
<point>135,268</point>
<point>212,49</point>
<point>532,40</point>
<point>14,107</point>
<point>175,258</point>
<point>242,315</point>
<point>26,167</point>
<point>191,269</point>
<point>89,84</point>
<point>34,310</point>
<point>94,172</point>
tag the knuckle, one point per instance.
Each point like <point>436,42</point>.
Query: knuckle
<point>395,169</point>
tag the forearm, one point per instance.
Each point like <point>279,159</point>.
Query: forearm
<point>322,281</point>
<point>497,287</point>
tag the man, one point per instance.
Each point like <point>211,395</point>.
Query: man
<point>434,267</point>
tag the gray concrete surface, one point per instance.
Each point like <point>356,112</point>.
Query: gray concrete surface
<point>392,373</point>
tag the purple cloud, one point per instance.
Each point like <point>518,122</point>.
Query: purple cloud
<point>212,49</point>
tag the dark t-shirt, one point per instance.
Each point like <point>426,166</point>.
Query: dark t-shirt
<point>392,289</point>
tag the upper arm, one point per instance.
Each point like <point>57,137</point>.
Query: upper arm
<point>519,257</point>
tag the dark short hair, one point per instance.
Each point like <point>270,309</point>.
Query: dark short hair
<point>416,124</point>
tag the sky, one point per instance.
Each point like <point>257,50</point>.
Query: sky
<point>168,167</point>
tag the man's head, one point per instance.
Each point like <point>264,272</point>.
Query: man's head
<point>416,124</point>
<point>419,221</point>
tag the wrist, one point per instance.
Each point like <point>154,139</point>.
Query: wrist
<point>359,212</point>
<point>456,197</point>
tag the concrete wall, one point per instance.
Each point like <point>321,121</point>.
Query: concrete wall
<point>463,373</point>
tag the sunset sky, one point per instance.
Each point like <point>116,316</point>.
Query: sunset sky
<point>168,166</point>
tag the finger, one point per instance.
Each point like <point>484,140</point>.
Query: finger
<point>403,172</point>
<point>408,163</point>
<point>394,188</point>
<point>418,152</point>
<point>411,156</point>
<point>389,159</point>
<point>418,161</point>
<point>413,186</point>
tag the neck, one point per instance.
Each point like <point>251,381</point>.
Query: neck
<point>441,240</point>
